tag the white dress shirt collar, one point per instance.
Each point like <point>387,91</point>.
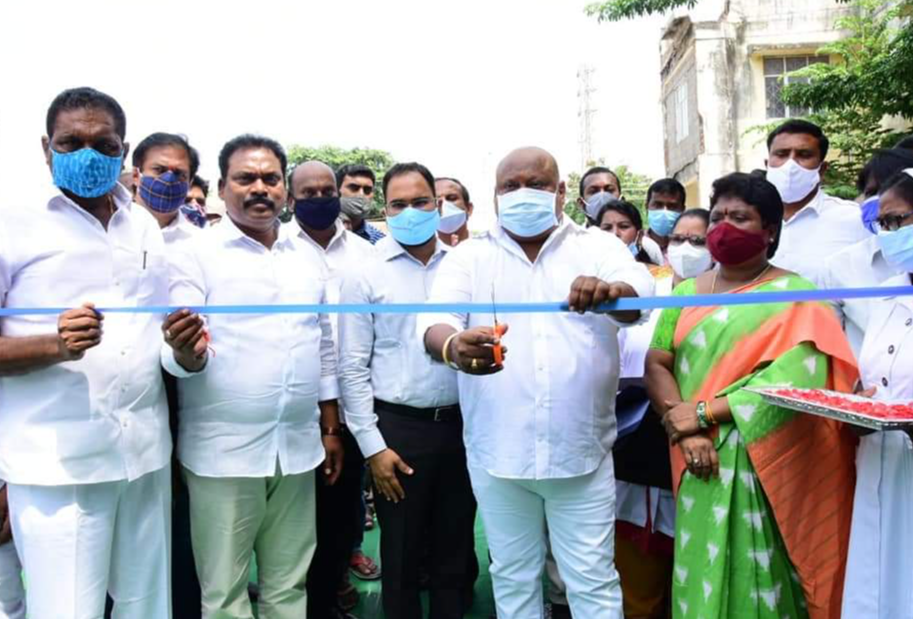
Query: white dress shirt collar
<point>389,248</point>
<point>565,226</point>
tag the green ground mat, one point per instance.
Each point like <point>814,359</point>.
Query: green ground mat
<point>369,605</point>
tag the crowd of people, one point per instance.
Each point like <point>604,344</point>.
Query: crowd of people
<point>618,460</point>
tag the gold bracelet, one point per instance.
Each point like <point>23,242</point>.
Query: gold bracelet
<point>446,349</point>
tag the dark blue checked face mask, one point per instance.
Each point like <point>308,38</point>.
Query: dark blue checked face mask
<point>165,193</point>
<point>85,172</point>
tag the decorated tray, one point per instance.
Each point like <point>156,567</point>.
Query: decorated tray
<point>853,409</point>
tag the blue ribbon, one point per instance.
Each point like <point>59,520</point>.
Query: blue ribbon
<point>697,300</point>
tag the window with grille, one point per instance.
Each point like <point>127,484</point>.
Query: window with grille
<point>776,70</point>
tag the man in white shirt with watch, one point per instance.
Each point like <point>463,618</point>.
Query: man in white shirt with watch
<point>250,387</point>
<point>540,427</point>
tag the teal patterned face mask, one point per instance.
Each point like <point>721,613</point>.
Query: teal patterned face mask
<point>85,172</point>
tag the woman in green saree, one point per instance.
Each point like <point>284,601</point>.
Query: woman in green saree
<point>764,495</point>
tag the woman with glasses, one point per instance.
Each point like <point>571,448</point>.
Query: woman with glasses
<point>879,580</point>
<point>763,494</point>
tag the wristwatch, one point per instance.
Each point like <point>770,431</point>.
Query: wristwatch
<point>702,422</point>
<point>334,431</point>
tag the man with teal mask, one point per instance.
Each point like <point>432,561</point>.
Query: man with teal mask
<point>539,426</point>
<point>665,203</point>
<point>84,440</point>
<point>403,409</point>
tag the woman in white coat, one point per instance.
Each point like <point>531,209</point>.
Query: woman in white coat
<point>879,579</point>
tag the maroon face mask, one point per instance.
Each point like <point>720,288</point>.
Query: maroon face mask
<point>731,245</point>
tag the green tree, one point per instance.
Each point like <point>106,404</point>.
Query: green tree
<point>378,160</point>
<point>633,187</point>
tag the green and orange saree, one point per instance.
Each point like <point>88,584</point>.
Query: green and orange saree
<point>768,538</point>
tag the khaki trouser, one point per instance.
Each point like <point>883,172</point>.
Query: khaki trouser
<point>232,517</point>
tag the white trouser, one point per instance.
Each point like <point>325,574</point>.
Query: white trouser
<point>12,595</point>
<point>79,542</point>
<point>232,517</point>
<point>580,515</point>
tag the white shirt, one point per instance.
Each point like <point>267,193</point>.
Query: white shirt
<point>104,417</point>
<point>345,255</point>
<point>550,412</point>
<point>256,398</point>
<point>859,266</point>
<point>381,356</point>
<point>820,229</point>
<point>179,230</point>
<point>879,579</point>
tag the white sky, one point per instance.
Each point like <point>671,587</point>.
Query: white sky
<point>454,84</point>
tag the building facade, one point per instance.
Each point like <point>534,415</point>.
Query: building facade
<point>721,73</point>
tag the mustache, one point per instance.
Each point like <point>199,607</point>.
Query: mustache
<point>259,200</point>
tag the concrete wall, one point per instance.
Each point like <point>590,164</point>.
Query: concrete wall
<point>721,49</point>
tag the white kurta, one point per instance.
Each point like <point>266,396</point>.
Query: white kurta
<point>879,580</point>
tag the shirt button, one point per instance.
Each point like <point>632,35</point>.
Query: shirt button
<point>891,349</point>
<point>884,381</point>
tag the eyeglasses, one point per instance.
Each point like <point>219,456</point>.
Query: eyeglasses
<point>419,203</point>
<point>892,223</point>
<point>678,239</point>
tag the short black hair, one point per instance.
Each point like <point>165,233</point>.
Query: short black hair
<point>804,127</point>
<point>900,184</point>
<point>882,166</point>
<point>668,186</point>
<point>157,140</point>
<point>246,141</point>
<point>202,183</point>
<point>598,170</point>
<point>622,207</point>
<point>906,142</point>
<point>84,98</point>
<point>405,168</point>
<point>695,213</point>
<point>756,191</point>
<point>353,170</point>
<point>463,190</point>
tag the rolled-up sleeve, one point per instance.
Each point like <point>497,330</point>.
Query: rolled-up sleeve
<point>186,289</point>
<point>618,265</point>
<point>356,345</point>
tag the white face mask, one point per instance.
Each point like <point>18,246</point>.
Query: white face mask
<point>452,218</point>
<point>793,182</point>
<point>689,261</point>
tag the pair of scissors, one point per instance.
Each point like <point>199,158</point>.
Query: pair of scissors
<point>496,349</point>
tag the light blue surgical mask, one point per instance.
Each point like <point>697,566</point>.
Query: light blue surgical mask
<point>634,249</point>
<point>414,226</point>
<point>662,221</point>
<point>452,218</point>
<point>527,212</point>
<point>897,248</point>
<point>869,210</point>
<point>85,172</point>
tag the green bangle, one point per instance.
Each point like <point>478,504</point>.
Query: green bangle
<point>702,422</point>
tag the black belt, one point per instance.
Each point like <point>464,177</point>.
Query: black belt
<point>445,414</point>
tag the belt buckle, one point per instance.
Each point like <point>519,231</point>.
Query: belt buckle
<point>437,414</point>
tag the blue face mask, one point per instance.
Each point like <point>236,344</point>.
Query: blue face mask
<point>897,248</point>
<point>596,202</point>
<point>526,212</point>
<point>634,249</point>
<point>165,193</point>
<point>414,226</point>
<point>662,221</point>
<point>85,172</point>
<point>452,218</point>
<point>869,210</point>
